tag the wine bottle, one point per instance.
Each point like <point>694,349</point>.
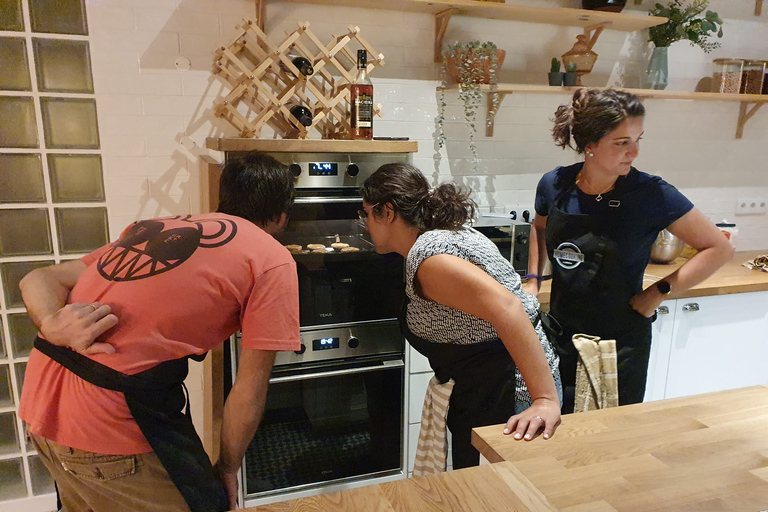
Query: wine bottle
<point>361,100</point>
<point>302,114</point>
<point>302,64</point>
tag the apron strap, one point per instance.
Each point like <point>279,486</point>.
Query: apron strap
<point>156,399</point>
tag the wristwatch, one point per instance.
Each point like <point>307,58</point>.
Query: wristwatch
<point>663,287</point>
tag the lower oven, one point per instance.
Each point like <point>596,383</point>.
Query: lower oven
<point>333,420</point>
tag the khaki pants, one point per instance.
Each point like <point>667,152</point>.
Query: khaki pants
<point>93,482</point>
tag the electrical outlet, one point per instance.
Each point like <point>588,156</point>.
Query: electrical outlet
<point>751,205</point>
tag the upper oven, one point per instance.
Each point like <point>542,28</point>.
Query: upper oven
<point>512,237</point>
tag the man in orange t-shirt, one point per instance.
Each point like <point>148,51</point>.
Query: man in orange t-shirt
<point>108,421</point>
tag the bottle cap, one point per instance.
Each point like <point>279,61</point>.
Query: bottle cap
<point>362,58</point>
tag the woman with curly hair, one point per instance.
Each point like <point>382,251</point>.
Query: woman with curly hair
<point>466,312</point>
<point>597,221</point>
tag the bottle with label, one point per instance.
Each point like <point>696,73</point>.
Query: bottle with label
<point>302,114</point>
<point>361,100</point>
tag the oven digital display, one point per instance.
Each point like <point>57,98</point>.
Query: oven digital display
<point>325,343</point>
<point>323,169</point>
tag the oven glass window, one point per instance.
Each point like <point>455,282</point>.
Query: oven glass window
<point>325,429</point>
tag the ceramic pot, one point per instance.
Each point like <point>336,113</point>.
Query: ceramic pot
<point>657,74</point>
<point>603,5</point>
<point>555,78</point>
<point>570,79</point>
<point>482,65</point>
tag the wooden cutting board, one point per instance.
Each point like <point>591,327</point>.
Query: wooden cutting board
<point>703,453</point>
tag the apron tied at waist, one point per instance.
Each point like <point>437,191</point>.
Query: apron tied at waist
<point>156,398</point>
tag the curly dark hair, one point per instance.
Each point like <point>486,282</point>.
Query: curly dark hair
<point>256,187</point>
<point>592,114</point>
<point>407,190</point>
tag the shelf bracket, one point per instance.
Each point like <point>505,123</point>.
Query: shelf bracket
<point>441,25</point>
<point>494,100</point>
<point>745,113</point>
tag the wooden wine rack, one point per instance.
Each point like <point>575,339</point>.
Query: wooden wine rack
<point>264,81</point>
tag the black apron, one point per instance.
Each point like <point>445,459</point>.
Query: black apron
<point>156,399</point>
<point>484,389</point>
<point>591,294</point>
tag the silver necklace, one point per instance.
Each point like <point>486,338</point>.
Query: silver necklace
<point>599,196</point>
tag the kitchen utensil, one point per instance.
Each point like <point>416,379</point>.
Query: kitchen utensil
<point>666,248</point>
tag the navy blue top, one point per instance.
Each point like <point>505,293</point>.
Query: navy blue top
<point>648,204</point>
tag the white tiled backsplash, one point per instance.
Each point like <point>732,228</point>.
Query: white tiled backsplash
<point>147,107</point>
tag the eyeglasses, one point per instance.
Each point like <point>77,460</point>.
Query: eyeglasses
<point>363,215</point>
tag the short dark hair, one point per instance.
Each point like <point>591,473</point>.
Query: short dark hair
<point>592,114</point>
<point>256,187</point>
<point>407,190</point>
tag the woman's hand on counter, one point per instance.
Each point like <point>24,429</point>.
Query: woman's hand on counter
<point>542,414</point>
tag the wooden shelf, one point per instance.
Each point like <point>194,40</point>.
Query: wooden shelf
<point>312,146</point>
<point>445,9</point>
<point>750,103</point>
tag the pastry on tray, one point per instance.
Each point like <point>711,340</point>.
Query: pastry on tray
<point>339,246</point>
<point>313,247</point>
<point>293,247</point>
<point>349,249</point>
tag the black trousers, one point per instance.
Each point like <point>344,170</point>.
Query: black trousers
<point>633,351</point>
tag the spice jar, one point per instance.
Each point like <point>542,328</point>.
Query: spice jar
<point>752,77</point>
<point>726,75</point>
<point>765,78</point>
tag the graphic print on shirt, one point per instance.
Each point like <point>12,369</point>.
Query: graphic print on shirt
<point>568,255</point>
<point>148,248</point>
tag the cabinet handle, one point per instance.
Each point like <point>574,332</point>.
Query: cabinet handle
<point>662,310</point>
<point>692,306</point>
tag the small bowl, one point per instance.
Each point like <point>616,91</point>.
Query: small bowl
<point>666,248</point>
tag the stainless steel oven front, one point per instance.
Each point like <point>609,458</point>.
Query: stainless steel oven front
<point>334,415</point>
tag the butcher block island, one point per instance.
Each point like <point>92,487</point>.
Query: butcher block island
<point>702,453</point>
<point>706,452</point>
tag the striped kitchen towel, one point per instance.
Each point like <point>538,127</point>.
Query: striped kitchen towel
<point>432,448</point>
<point>597,382</point>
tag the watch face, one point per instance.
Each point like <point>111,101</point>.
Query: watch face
<point>663,287</point>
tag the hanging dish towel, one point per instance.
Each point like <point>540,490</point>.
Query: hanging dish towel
<point>432,448</point>
<point>597,383</point>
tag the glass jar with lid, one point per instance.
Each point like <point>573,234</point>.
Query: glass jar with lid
<point>726,75</point>
<point>752,77</point>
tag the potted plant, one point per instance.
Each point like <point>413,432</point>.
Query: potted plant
<point>469,65</point>
<point>555,76</point>
<point>685,23</point>
<point>570,77</point>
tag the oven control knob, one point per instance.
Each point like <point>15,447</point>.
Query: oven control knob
<point>521,239</point>
<point>353,170</point>
<point>353,342</point>
<point>295,169</point>
<point>301,350</point>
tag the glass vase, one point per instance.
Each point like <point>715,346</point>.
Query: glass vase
<point>657,74</point>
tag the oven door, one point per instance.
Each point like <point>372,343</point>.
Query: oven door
<point>328,423</point>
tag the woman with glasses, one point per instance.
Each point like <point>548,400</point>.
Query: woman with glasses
<point>465,311</point>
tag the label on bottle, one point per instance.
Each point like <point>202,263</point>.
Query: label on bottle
<point>364,110</point>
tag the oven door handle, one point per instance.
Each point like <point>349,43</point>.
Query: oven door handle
<point>386,365</point>
<point>328,200</point>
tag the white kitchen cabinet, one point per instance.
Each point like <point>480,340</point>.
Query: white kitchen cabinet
<point>661,344</point>
<point>718,342</point>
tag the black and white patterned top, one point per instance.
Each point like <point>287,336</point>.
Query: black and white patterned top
<point>438,323</point>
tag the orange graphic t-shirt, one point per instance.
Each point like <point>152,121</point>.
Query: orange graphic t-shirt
<point>178,286</point>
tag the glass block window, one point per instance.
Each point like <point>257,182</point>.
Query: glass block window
<point>19,128</point>
<point>58,16</point>
<point>70,123</point>
<point>52,197</point>
<point>75,178</point>
<point>13,55</point>
<point>62,65</point>
<point>11,16</point>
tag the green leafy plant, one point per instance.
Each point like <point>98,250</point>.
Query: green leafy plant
<point>685,23</point>
<point>555,67</point>
<point>472,62</point>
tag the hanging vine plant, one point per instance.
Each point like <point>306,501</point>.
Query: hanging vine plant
<point>469,65</point>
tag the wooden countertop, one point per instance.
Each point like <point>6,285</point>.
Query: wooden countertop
<point>730,278</point>
<point>704,452</point>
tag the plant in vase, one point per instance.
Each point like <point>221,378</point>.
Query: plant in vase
<point>684,23</point>
<point>469,65</point>
<point>570,77</point>
<point>555,76</point>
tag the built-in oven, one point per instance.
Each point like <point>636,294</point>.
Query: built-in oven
<point>334,416</point>
<point>512,237</point>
